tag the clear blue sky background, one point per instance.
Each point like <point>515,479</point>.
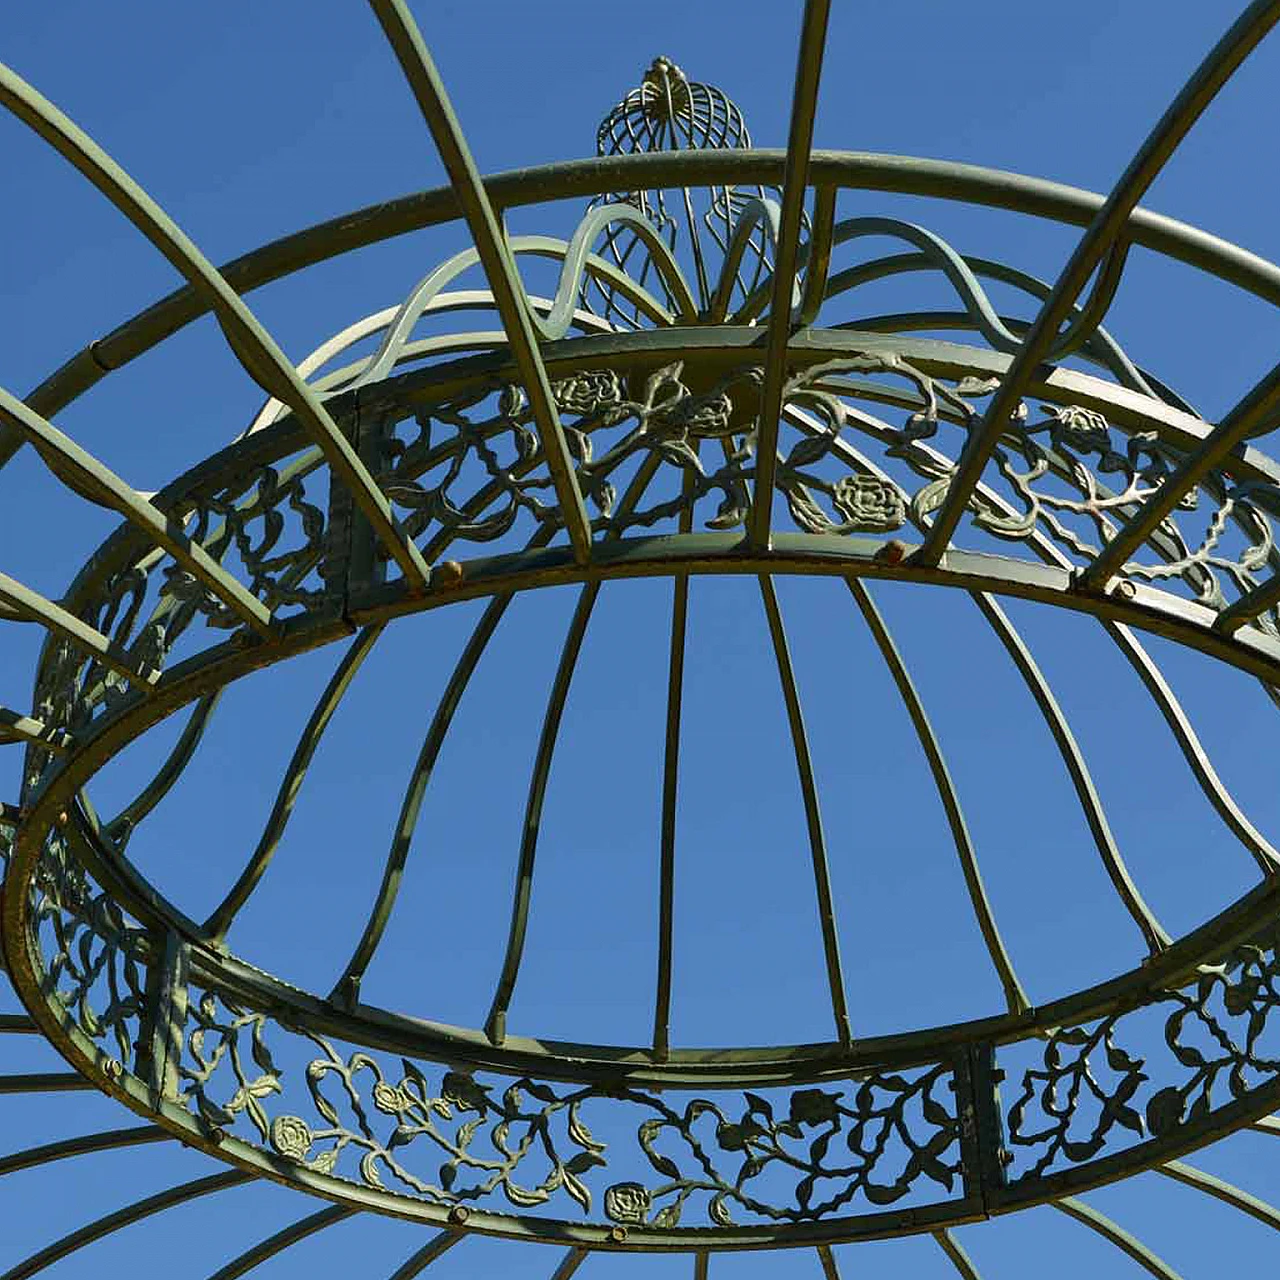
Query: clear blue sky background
<point>247,121</point>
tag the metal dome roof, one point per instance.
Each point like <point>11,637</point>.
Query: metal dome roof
<point>697,393</point>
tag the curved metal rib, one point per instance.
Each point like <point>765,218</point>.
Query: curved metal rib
<point>122,826</point>
<point>496,1023</point>
<point>429,1252</point>
<point>818,258</point>
<point>1015,996</point>
<point>291,784</point>
<point>575,260</point>
<point>812,812</point>
<point>1268,1124</point>
<point>346,990</point>
<point>113,1222</point>
<point>256,351</point>
<point>1264,853</point>
<point>577,255</point>
<point>937,254</point>
<point>804,103</point>
<point>267,1249</point>
<point>1117,1236</point>
<point>15,727</point>
<point>355,229</point>
<point>343,379</point>
<point>767,215</point>
<point>508,292</point>
<point>45,1082</point>
<point>110,1140</point>
<point>1110,353</point>
<point>31,606</point>
<point>89,478</point>
<point>959,1258</point>
<point>1157,939</point>
<point>1101,239</point>
<point>1189,1176</point>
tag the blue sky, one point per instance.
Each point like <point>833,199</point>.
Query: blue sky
<point>249,121</point>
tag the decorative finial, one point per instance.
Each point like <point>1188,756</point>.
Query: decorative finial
<point>670,112</point>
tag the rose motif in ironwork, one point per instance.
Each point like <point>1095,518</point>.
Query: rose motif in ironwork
<point>870,503</point>
<point>627,1203</point>
<point>291,1137</point>
<point>588,391</point>
<point>388,1099</point>
<point>707,415</point>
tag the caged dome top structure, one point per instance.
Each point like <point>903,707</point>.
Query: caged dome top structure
<point>697,391</point>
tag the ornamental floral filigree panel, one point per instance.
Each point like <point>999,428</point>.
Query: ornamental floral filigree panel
<point>1138,1074</point>
<point>632,1155</point>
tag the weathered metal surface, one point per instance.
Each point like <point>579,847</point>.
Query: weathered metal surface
<point>731,377</point>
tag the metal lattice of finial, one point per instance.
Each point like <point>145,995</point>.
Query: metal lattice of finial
<point>669,112</point>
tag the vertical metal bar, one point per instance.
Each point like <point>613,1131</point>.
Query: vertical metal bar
<point>830,1267</point>
<point>984,1079</point>
<point>361,567</point>
<point>437,1245</point>
<point>267,1249</point>
<point>1156,937</point>
<point>1102,243</point>
<point>166,1017</point>
<point>818,266</point>
<point>496,1022</point>
<point>291,784</point>
<point>1264,853</point>
<point>508,292</point>
<point>812,811</point>
<point>670,782</point>
<point>122,825</point>
<point>346,991</point>
<point>1015,996</point>
<point>670,787</point>
<point>804,103</point>
<point>569,1264</point>
<point>959,1258</point>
